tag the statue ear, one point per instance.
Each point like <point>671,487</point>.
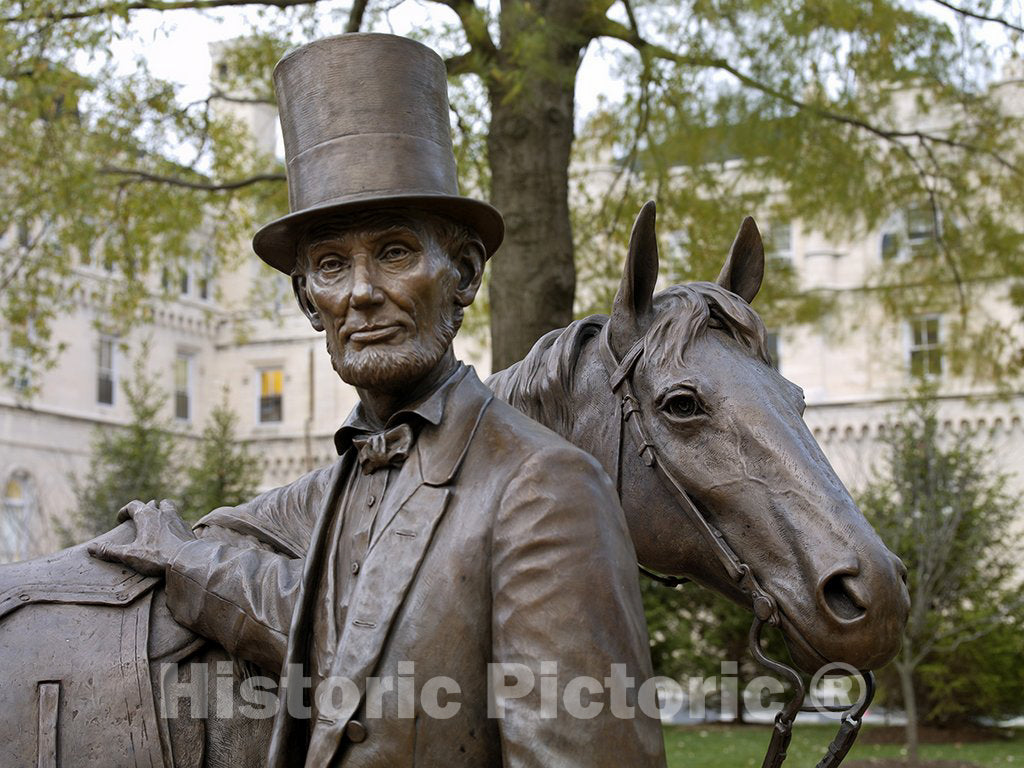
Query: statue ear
<point>307,307</point>
<point>631,312</point>
<point>744,269</point>
<point>469,265</point>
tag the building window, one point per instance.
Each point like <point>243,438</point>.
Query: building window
<point>778,240</point>
<point>924,335</point>
<point>205,279</point>
<point>21,367</point>
<point>15,515</point>
<point>772,345</point>
<point>183,387</point>
<point>920,228</point>
<point>911,232</point>
<point>105,371</point>
<point>271,395</point>
<point>184,282</point>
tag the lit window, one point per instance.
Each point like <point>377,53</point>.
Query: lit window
<point>925,346</point>
<point>183,387</point>
<point>15,516</point>
<point>105,371</point>
<point>271,394</point>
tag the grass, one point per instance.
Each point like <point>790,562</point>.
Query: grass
<point>718,746</point>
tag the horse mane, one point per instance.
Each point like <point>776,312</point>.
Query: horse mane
<point>685,312</point>
<point>541,384</point>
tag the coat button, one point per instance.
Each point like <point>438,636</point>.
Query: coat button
<point>371,500</point>
<point>355,567</point>
<point>355,731</point>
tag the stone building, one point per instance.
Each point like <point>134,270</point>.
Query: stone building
<point>289,400</point>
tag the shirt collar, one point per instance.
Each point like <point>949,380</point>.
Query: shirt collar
<point>429,409</point>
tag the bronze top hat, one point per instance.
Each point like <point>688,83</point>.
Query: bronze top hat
<point>365,124</point>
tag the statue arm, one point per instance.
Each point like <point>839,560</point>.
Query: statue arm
<point>565,590</point>
<point>237,584</point>
<point>242,597</point>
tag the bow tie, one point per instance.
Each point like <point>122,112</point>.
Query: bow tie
<point>384,449</point>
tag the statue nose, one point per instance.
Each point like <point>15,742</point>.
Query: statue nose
<point>840,594</point>
<point>364,289</point>
<point>849,592</point>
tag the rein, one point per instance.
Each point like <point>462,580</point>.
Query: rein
<point>763,604</point>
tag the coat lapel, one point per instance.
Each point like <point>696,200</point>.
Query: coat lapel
<point>406,526</point>
<point>302,619</point>
<point>439,450</point>
<point>383,583</point>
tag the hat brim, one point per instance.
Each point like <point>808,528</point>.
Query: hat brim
<point>276,242</point>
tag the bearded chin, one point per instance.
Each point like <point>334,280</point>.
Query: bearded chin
<point>390,369</point>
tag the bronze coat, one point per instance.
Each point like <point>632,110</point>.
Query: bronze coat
<point>500,542</point>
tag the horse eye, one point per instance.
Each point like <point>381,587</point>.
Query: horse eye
<point>681,406</point>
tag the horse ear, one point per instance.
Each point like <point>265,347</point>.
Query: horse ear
<point>632,308</point>
<point>744,269</point>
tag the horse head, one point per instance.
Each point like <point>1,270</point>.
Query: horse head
<point>729,429</point>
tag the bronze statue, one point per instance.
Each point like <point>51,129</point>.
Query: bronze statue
<point>454,533</point>
<point>717,426</point>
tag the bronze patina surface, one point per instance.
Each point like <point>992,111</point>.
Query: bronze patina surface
<point>453,531</point>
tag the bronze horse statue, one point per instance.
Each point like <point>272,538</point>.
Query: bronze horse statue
<point>720,479</point>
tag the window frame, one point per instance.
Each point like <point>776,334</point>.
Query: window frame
<point>772,228</point>
<point>930,351</point>
<point>111,370</point>
<point>904,243</point>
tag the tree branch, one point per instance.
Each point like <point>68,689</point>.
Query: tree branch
<point>147,5</point>
<point>979,16</point>
<point>355,16</point>
<point>467,63</point>
<point>227,186</point>
<point>474,24</point>
<point>609,28</point>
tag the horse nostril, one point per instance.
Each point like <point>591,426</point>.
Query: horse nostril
<point>839,599</point>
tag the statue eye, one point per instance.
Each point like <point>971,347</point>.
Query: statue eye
<point>681,405</point>
<point>394,252</point>
<point>330,263</point>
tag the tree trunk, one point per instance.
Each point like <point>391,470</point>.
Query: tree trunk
<point>905,670</point>
<point>533,277</point>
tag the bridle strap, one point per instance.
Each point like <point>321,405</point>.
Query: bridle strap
<point>763,604</point>
<point>765,608</point>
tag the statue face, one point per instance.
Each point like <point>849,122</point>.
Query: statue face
<point>387,296</point>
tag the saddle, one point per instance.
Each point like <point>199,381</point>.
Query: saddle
<point>77,636</point>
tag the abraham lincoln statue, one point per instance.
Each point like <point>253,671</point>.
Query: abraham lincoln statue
<point>453,536</point>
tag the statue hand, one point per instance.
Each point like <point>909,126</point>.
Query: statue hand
<point>159,534</point>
